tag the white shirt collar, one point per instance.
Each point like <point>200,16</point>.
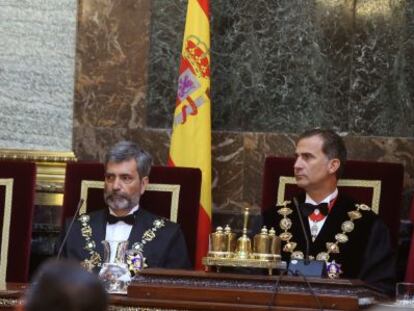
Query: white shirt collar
<point>133,210</point>
<point>328,199</point>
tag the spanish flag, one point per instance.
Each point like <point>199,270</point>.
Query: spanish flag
<point>191,135</point>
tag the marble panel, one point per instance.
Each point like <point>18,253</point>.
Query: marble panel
<point>257,146</point>
<point>286,66</point>
<point>264,66</point>
<point>333,21</point>
<point>377,104</point>
<point>228,171</point>
<point>156,141</point>
<point>91,144</point>
<point>406,87</point>
<point>37,61</point>
<point>112,52</point>
<point>166,37</point>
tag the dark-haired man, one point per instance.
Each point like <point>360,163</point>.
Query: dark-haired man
<point>160,241</point>
<point>65,286</point>
<point>339,228</point>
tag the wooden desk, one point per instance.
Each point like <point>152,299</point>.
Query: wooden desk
<point>10,294</point>
<point>193,290</point>
<point>158,289</point>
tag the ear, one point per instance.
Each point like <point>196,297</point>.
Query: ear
<point>144,184</point>
<point>334,165</point>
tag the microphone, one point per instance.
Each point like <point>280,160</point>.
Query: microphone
<point>306,267</point>
<point>80,203</point>
<point>302,226</point>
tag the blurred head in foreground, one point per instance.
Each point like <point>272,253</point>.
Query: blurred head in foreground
<point>65,286</point>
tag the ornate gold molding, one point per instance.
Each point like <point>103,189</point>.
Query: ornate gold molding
<point>51,168</point>
<point>362,183</point>
<point>37,155</point>
<point>8,184</point>
<point>126,308</point>
<point>9,302</point>
<point>173,188</point>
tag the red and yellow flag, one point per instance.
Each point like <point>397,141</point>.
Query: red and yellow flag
<point>191,136</point>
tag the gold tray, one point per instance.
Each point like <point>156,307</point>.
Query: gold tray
<point>269,264</point>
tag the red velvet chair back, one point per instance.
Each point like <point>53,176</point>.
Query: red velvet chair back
<point>376,184</point>
<point>17,194</point>
<point>173,192</point>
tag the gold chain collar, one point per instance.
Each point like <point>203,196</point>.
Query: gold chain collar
<point>135,256</point>
<point>331,247</point>
<point>95,259</point>
<point>148,235</point>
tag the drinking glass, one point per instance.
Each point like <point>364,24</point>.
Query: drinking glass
<point>405,294</point>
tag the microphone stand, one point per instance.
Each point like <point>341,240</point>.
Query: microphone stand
<point>306,267</point>
<point>81,201</point>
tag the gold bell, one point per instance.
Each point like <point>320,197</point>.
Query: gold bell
<point>275,242</point>
<point>218,241</point>
<point>261,243</point>
<point>244,245</point>
<point>230,239</point>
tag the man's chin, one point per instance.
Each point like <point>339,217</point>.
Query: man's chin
<point>301,183</point>
<point>118,205</point>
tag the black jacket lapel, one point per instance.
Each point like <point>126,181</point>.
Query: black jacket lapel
<point>297,230</point>
<point>139,227</point>
<point>98,225</point>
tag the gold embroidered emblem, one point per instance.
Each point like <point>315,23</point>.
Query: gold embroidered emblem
<point>332,248</point>
<point>285,236</point>
<point>354,215</point>
<point>285,223</point>
<point>322,256</point>
<point>148,235</point>
<point>297,255</point>
<point>285,211</point>
<point>347,226</point>
<point>341,238</point>
<point>289,247</point>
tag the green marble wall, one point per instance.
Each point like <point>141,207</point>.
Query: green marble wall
<point>287,65</point>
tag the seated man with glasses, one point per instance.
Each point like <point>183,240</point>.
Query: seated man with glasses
<point>154,238</point>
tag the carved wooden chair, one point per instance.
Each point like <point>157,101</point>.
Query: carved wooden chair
<point>17,194</point>
<point>173,192</point>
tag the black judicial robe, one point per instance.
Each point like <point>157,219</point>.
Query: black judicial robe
<point>167,250</point>
<point>367,255</point>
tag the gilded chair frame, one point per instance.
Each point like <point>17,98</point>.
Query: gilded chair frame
<point>174,189</point>
<point>5,237</point>
<point>375,185</point>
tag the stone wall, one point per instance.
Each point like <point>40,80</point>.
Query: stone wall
<point>37,61</point>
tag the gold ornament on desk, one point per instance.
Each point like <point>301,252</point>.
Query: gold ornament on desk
<point>227,251</point>
<point>244,245</point>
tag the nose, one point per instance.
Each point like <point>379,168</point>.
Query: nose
<point>116,185</point>
<point>298,163</point>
